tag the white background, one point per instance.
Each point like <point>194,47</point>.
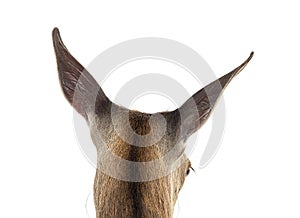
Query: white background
<point>256,171</point>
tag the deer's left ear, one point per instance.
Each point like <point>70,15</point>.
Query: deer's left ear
<point>195,111</point>
<point>78,85</point>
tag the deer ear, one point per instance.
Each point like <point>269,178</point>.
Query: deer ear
<point>195,111</point>
<point>79,87</point>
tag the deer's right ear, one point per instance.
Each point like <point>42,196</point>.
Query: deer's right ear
<point>79,87</point>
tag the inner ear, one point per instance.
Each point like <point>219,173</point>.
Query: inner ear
<point>196,110</point>
<point>79,87</point>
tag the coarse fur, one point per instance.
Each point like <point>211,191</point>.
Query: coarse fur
<point>141,164</point>
<point>115,198</point>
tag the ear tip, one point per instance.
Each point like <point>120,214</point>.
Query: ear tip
<point>55,31</point>
<point>241,67</point>
<point>250,56</point>
<point>55,34</point>
<point>57,41</point>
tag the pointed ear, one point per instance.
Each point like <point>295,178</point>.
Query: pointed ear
<point>79,87</point>
<point>195,111</point>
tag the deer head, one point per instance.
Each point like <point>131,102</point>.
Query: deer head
<point>147,150</point>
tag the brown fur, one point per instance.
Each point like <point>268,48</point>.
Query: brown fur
<point>115,198</point>
<point>134,179</point>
